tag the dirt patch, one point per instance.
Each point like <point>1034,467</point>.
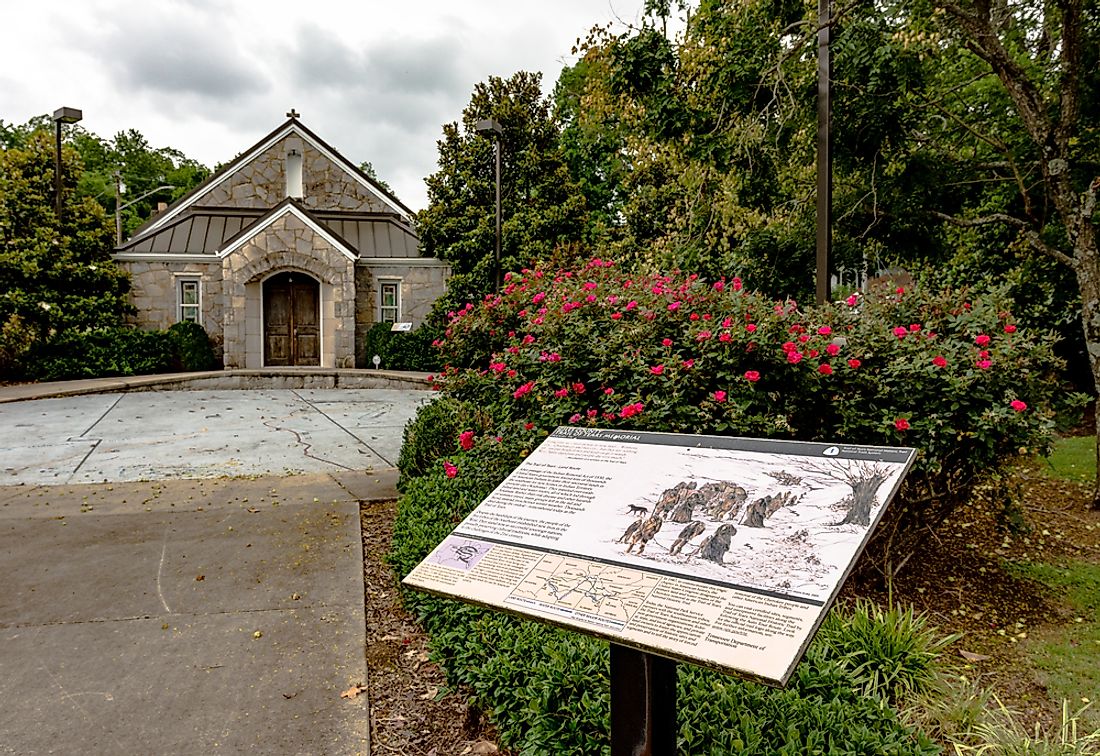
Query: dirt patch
<point>963,579</point>
<point>412,711</point>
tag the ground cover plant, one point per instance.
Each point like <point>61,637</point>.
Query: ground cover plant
<point>952,375</point>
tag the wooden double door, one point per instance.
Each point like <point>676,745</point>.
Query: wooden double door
<point>292,320</point>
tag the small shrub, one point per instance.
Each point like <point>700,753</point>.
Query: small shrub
<point>887,653</point>
<point>103,352</point>
<point>400,350</point>
<point>1002,734</point>
<point>192,347</point>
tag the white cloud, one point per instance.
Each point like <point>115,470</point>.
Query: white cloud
<point>211,77</point>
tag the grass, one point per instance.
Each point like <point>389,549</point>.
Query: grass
<point>1074,458</point>
<point>1068,658</point>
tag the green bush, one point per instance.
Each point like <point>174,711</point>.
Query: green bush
<point>103,352</point>
<point>400,350</point>
<point>951,375</point>
<point>192,347</point>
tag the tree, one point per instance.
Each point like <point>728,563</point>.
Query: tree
<point>543,211</point>
<point>367,167</point>
<point>54,276</point>
<point>1027,118</point>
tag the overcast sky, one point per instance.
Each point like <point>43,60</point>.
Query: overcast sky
<point>210,77</point>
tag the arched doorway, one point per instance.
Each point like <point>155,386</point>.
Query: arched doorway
<point>292,332</point>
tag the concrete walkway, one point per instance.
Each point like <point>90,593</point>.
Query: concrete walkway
<point>156,435</point>
<point>167,608</point>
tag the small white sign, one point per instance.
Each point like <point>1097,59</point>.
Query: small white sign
<point>724,552</point>
<point>401,327</point>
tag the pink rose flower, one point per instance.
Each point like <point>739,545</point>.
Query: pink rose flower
<point>901,332</point>
<point>832,350</point>
<point>751,328</point>
<point>449,469</point>
<point>981,340</point>
<point>1017,405</point>
<point>719,396</point>
<point>794,357</point>
<point>666,342</point>
<point>752,376</point>
<point>902,423</point>
<point>466,440</point>
<point>854,364</point>
<point>824,331</point>
<point>939,361</point>
<point>657,369</point>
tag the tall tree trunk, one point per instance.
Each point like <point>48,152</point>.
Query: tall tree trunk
<point>1088,281</point>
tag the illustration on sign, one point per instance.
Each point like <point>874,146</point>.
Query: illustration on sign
<point>718,550</point>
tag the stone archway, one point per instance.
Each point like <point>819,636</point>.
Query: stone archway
<point>292,320</point>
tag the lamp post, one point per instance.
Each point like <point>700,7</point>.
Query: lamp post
<point>60,116</point>
<point>120,189</point>
<point>491,128</point>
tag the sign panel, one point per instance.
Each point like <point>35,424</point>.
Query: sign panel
<point>401,327</point>
<point>724,552</point>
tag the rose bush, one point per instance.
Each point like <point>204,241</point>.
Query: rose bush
<point>952,376</point>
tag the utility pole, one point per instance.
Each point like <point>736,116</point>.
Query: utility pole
<point>824,149</point>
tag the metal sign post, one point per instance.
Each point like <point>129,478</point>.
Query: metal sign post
<point>643,703</point>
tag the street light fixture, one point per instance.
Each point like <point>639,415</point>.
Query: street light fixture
<point>492,129</point>
<point>120,189</point>
<point>60,116</point>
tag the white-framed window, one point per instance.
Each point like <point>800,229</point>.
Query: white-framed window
<point>389,300</point>
<point>189,300</point>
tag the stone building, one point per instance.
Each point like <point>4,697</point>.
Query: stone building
<point>286,256</point>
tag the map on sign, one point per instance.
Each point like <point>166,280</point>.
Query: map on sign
<point>609,592</point>
<point>721,551</point>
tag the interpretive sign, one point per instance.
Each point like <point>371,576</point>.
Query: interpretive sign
<point>724,552</point>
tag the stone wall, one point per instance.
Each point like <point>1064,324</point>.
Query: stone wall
<point>154,293</point>
<point>423,280</point>
<point>261,182</point>
<point>288,244</point>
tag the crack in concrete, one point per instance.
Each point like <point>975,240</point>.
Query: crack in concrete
<point>175,616</point>
<point>323,414</point>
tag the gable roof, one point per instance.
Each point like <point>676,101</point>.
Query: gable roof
<point>288,206</point>
<point>290,126</point>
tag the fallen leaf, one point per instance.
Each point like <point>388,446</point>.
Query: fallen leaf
<point>353,691</point>
<point>258,634</point>
<point>253,510</point>
<point>970,656</point>
<point>433,691</point>
<point>200,578</point>
<point>484,746</point>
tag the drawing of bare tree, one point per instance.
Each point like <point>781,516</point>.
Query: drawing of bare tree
<point>864,478</point>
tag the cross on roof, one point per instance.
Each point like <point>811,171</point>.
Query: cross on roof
<point>293,113</point>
